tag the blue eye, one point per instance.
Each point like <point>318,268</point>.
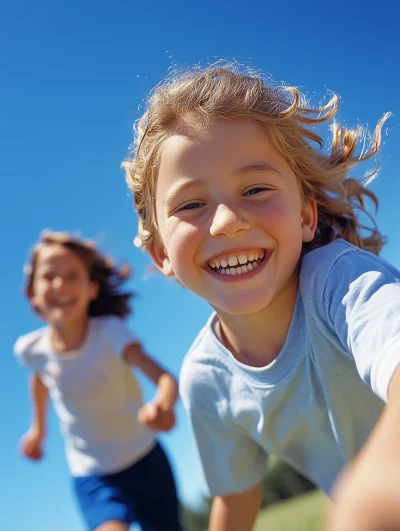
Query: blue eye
<point>255,191</point>
<point>191,206</point>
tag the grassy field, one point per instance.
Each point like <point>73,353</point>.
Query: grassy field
<point>303,513</point>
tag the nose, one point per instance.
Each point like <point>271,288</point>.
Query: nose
<point>57,282</point>
<point>228,222</point>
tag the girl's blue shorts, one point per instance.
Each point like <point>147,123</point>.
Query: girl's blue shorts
<point>144,493</point>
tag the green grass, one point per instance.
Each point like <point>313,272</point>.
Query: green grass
<point>302,513</point>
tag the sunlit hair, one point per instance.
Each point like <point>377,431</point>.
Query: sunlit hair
<point>283,113</point>
<point>102,270</point>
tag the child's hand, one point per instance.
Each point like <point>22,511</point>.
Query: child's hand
<point>155,417</point>
<point>367,496</point>
<point>31,444</point>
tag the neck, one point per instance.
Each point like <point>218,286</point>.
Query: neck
<point>68,336</point>
<point>256,339</point>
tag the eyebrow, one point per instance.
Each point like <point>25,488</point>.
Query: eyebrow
<point>180,186</point>
<point>253,168</point>
<point>187,184</point>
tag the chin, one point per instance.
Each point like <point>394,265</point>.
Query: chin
<point>64,317</point>
<point>246,306</point>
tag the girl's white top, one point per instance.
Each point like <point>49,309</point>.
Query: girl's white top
<point>95,394</point>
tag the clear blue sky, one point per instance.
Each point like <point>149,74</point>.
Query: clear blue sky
<point>73,76</point>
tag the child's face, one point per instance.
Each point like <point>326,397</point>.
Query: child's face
<point>230,216</point>
<point>62,289</point>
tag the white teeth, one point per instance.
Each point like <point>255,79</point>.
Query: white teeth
<point>232,261</point>
<point>234,265</point>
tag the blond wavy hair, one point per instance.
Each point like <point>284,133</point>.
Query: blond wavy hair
<point>102,270</point>
<point>283,113</point>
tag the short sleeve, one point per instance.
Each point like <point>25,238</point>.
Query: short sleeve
<point>232,461</point>
<point>362,304</point>
<point>119,334</point>
<point>30,352</point>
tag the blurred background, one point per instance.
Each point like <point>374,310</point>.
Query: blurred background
<point>74,76</point>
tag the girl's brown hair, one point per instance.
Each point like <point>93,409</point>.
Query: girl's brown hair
<point>102,270</point>
<point>226,93</point>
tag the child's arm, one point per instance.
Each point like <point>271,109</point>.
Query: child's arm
<point>361,306</point>
<point>31,444</point>
<point>158,414</point>
<point>368,493</point>
<point>236,512</point>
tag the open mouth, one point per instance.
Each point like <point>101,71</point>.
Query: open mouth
<point>238,263</point>
<point>63,302</point>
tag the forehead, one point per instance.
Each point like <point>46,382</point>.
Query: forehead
<point>56,255</point>
<point>225,144</point>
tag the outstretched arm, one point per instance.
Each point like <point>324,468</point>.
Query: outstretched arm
<point>236,512</point>
<point>31,444</point>
<point>367,495</point>
<point>158,414</point>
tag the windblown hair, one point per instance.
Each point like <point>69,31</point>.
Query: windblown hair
<point>102,270</point>
<point>283,113</point>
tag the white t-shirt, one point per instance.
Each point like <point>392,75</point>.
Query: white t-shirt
<point>95,394</point>
<point>315,405</point>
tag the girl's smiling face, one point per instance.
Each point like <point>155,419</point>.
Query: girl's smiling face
<point>230,215</point>
<point>62,289</point>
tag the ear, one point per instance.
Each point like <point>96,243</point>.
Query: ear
<point>309,220</point>
<point>160,258</point>
<point>94,290</point>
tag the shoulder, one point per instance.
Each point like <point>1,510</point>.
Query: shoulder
<point>316,268</point>
<point>331,272</point>
<point>31,346</point>
<point>114,331</point>
<point>318,262</point>
<point>202,354</point>
<point>110,324</point>
<point>341,256</point>
<point>108,321</point>
<point>30,342</point>
<point>205,373</point>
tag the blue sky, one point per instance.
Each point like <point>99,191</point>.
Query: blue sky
<point>73,78</point>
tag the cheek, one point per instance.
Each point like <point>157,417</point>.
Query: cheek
<point>182,241</point>
<point>281,215</point>
<point>83,288</point>
<point>41,289</point>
